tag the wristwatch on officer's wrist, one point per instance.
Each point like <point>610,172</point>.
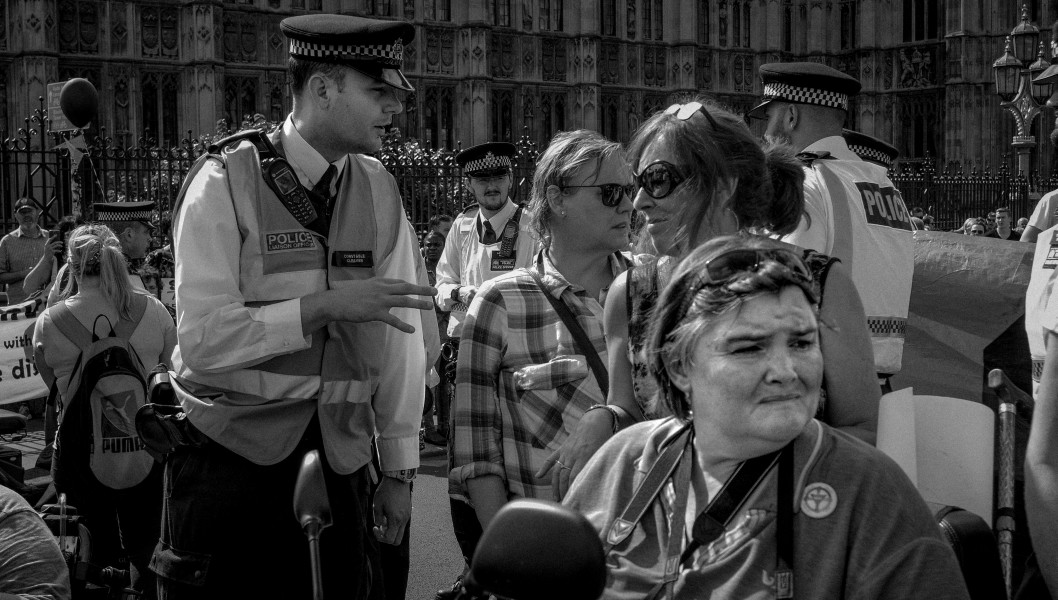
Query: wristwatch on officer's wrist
<point>455,294</point>
<point>404,475</point>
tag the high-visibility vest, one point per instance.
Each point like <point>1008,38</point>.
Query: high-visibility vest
<point>260,412</point>
<point>872,237</point>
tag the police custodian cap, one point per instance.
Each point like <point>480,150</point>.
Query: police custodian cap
<point>486,160</point>
<point>114,212</point>
<point>870,148</point>
<point>372,47</point>
<point>805,83</point>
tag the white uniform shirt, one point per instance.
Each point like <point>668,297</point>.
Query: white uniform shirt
<point>468,262</point>
<point>876,244</point>
<point>218,333</point>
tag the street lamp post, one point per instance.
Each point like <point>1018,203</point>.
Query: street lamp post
<point>1023,88</point>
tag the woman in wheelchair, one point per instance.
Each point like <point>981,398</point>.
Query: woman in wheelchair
<point>742,494</point>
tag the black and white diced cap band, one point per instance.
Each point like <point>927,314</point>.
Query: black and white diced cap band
<point>806,95</point>
<point>391,54</point>
<point>489,162</point>
<point>871,154</point>
<point>124,215</point>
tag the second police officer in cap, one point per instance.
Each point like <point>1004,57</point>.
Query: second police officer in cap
<point>853,211</point>
<point>299,329</point>
<point>489,238</point>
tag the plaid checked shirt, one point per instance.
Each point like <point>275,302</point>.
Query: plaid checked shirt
<point>521,384</point>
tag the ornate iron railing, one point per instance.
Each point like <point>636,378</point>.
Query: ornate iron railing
<point>65,175</point>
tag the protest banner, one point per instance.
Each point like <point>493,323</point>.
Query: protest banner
<point>19,379</point>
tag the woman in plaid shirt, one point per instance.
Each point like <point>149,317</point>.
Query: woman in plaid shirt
<point>522,383</point>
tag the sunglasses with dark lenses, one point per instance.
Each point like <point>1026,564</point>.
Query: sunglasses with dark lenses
<point>659,179</point>
<point>612,193</point>
<point>725,267</point>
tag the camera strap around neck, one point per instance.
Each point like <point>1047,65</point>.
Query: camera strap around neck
<point>676,460</point>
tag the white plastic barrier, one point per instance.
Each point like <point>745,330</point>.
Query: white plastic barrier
<point>944,445</point>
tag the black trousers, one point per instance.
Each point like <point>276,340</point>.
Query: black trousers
<point>229,531</point>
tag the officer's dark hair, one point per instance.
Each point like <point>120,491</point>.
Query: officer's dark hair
<point>299,70</point>
<point>770,176</point>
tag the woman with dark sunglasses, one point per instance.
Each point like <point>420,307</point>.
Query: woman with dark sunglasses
<point>702,174</point>
<point>533,342</point>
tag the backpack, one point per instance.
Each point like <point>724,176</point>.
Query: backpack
<point>97,441</point>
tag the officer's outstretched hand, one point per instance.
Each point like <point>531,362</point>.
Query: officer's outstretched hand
<point>364,301</point>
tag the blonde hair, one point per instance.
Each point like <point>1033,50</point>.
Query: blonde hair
<point>94,251</point>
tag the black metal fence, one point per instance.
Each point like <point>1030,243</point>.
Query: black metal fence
<point>66,175</point>
<point>954,193</point>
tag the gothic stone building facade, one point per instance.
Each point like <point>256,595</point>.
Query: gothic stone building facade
<point>498,69</point>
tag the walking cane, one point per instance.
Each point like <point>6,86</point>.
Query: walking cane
<point>313,510</point>
<point>1011,399</point>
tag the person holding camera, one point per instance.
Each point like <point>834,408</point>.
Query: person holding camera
<point>45,272</point>
<point>21,249</point>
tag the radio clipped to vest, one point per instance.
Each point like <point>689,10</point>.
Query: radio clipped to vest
<point>278,175</point>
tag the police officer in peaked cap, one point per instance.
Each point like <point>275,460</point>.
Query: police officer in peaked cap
<point>303,326</point>
<point>853,211</point>
<point>489,238</point>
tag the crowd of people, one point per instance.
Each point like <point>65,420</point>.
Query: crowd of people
<point>704,391</point>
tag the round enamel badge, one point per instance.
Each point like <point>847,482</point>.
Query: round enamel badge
<point>818,500</point>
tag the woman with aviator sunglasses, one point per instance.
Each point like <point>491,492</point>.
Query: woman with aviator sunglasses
<point>533,342</point>
<point>702,174</point>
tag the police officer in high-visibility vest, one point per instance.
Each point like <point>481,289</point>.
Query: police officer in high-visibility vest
<point>489,238</point>
<point>853,211</point>
<point>300,329</point>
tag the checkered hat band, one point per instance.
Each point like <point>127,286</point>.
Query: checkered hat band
<point>488,163</point>
<point>887,327</point>
<point>392,54</point>
<point>124,215</point>
<point>805,95</point>
<point>871,154</point>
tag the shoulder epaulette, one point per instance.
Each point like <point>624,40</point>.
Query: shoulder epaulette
<point>469,209</point>
<point>809,157</point>
<point>246,134</point>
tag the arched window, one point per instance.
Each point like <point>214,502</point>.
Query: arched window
<point>608,18</point>
<point>703,22</point>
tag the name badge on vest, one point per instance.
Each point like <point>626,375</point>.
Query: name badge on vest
<point>289,241</point>
<point>500,263</point>
<point>1052,253</point>
<point>362,259</point>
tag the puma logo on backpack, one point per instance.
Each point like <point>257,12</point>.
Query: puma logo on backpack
<point>97,432</point>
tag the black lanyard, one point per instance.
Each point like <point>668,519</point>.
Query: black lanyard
<point>676,460</point>
<point>509,235</point>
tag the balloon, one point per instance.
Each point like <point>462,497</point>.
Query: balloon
<point>79,101</point>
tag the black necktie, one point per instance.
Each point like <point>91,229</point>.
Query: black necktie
<point>323,186</point>
<point>489,236</point>
<point>323,201</point>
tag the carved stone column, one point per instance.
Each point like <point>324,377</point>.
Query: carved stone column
<point>203,102</point>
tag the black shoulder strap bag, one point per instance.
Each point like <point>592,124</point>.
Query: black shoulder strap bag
<point>580,338</point>
<point>676,461</point>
